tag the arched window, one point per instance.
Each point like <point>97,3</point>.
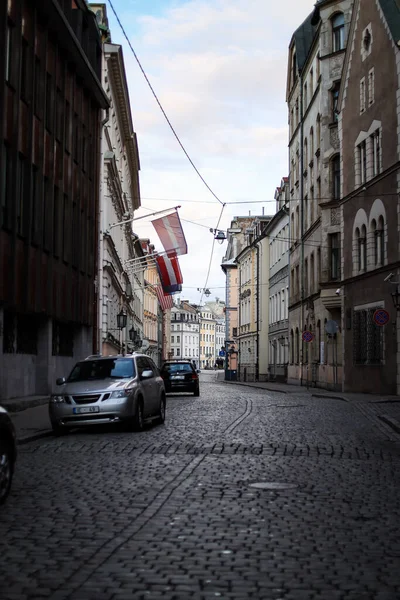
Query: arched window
<point>297,346</point>
<point>380,242</point>
<point>297,224</point>
<point>319,340</point>
<point>361,237</point>
<point>338,32</point>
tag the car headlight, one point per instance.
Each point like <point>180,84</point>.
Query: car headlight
<point>57,399</point>
<point>121,393</point>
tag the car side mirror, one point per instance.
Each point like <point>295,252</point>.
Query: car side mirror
<point>147,374</point>
<point>60,381</point>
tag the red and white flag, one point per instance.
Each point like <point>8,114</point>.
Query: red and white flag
<point>170,232</point>
<point>165,300</point>
<point>170,273</point>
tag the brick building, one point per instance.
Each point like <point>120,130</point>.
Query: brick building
<point>369,125</point>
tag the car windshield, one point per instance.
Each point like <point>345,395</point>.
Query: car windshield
<point>177,368</point>
<point>113,368</point>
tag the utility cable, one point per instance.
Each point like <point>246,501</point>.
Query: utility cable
<point>211,256</point>
<point>161,107</point>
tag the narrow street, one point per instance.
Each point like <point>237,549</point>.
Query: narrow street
<point>243,493</point>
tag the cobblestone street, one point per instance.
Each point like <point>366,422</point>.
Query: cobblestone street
<point>181,511</point>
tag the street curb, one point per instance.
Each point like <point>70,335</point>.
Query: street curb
<point>14,406</point>
<point>330,397</point>
<point>393,423</point>
<point>34,437</point>
<point>258,387</point>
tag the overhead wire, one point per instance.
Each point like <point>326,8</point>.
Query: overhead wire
<point>161,107</point>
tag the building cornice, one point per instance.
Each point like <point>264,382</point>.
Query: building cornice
<point>116,68</point>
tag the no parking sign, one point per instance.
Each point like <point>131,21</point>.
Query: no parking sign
<point>381,317</point>
<point>307,336</point>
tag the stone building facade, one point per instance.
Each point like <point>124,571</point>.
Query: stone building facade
<point>278,319</point>
<point>316,56</point>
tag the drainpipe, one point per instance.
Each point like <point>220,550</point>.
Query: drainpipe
<point>258,315</point>
<point>101,228</point>
<point>301,224</point>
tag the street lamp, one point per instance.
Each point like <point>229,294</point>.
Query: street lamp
<point>396,297</point>
<point>121,319</point>
<point>206,291</point>
<point>219,235</point>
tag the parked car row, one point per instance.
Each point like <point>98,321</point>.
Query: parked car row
<point>105,389</point>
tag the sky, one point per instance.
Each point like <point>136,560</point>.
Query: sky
<point>219,70</point>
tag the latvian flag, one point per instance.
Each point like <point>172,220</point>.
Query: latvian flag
<point>169,230</point>
<point>170,274</point>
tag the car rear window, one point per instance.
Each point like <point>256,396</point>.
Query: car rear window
<point>113,368</point>
<point>179,367</point>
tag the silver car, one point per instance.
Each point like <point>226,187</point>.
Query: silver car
<point>109,389</point>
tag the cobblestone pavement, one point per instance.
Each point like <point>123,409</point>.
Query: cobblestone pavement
<point>178,512</point>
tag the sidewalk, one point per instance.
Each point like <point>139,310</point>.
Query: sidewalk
<point>385,408</point>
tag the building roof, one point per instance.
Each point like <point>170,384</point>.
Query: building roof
<point>391,10</point>
<point>303,38</point>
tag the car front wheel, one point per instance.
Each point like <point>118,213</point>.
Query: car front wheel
<point>138,422</point>
<point>6,469</point>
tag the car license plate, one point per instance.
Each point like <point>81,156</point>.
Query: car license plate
<point>178,377</point>
<point>85,409</point>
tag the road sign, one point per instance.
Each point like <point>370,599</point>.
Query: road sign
<point>381,317</point>
<point>221,353</point>
<point>307,336</point>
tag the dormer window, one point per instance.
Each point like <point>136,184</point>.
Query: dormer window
<point>338,32</point>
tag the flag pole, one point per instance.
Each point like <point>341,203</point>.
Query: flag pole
<point>159,212</point>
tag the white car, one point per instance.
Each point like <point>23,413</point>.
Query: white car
<point>109,389</point>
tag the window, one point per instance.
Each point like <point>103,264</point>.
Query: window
<point>49,102</point>
<point>22,163</point>
<point>376,152</point>
<point>335,255</point>
<point>311,82</point>
<point>338,32</point>
<point>362,162</point>
<point>9,52</point>
<point>294,68</point>
<point>336,177</point>
<point>367,338</point>
<point>178,351</point>
<point>379,241</point>
<point>371,87</point>
<point>305,95</point>
<point>362,95</point>
<point>178,339</point>
<point>312,274</point>
<point>25,70</point>
<point>311,144</point>
<point>361,241</point>
<point>335,100</point>
<point>172,339</point>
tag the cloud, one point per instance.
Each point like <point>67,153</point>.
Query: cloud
<point>219,70</point>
